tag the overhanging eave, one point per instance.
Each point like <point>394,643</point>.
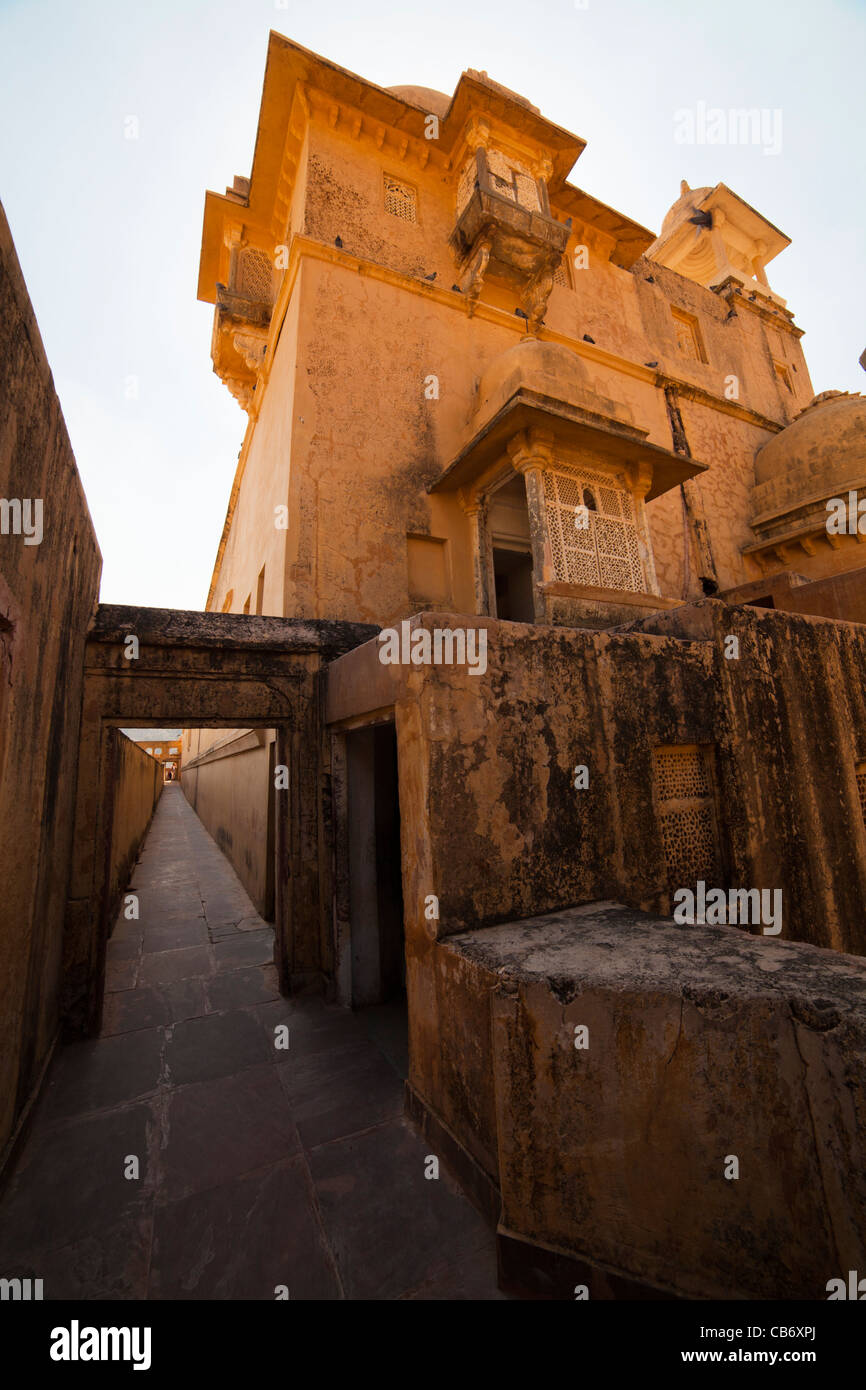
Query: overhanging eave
<point>572,425</point>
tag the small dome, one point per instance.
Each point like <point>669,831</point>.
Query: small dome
<point>685,206</point>
<point>547,369</point>
<point>433,102</point>
<point>826,443</point>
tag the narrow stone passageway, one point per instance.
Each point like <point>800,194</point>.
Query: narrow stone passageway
<point>182,1154</point>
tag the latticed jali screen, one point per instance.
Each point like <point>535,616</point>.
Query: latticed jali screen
<point>684,796</point>
<point>592,529</point>
<point>400,199</point>
<point>513,181</point>
<point>560,276</point>
<point>255,277</point>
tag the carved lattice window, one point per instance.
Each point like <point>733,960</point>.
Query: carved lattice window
<point>255,276</point>
<point>684,797</point>
<point>400,199</point>
<point>512,180</point>
<point>592,530</point>
<point>560,276</point>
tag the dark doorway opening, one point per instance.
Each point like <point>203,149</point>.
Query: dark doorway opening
<point>512,571</point>
<point>375,867</point>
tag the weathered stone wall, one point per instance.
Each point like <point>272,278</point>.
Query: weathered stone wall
<point>137,787</point>
<point>511,837</point>
<point>231,792</point>
<point>47,594</point>
<point>703,1045</point>
<point>493,825</point>
<point>696,1024</point>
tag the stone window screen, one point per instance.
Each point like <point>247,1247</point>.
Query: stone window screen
<point>255,275</point>
<point>513,180</point>
<point>400,199</point>
<point>860,774</point>
<point>560,276</point>
<point>686,811</point>
<point>604,552</point>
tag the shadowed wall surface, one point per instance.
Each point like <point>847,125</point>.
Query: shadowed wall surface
<point>47,594</point>
<point>138,782</point>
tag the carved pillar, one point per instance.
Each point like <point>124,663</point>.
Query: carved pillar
<point>531,452</point>
<point>641,476</point>
<point>475,508</point>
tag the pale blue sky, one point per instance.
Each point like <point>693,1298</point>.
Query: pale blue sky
<point>108,230</point>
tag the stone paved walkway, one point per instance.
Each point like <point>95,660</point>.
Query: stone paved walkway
<point>257,1167</point>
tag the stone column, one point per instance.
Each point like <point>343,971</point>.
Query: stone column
<point>531,452</point>
<point>475,508</point>
<point>640,477</point>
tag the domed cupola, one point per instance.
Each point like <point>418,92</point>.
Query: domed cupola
<point>713,236</point>
<point>819,457</point>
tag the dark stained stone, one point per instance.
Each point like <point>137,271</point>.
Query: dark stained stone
<point>217,1045</point>
<point>243,1239</point>
<point>392,1229</point>
<point>237,988</point>
<point>95,1075</point>
<point>220,1129</point>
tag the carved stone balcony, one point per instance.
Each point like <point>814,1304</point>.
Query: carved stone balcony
<point>239,343</point>
<point>496,236</point>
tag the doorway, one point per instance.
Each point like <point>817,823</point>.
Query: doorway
<point>378,960</point>
<point>508,526</point>
<point>512,574</point>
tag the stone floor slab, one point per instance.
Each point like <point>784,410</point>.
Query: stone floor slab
<point>237,989</point>
<point>109,1071</point>
<point>243,1239</point>
<point>216,1045</point>
<point>218,1130</point>
<point>341,1091</point>
<point>392,1229</point>
<point>70,1181</point>
<point>134,1009</point>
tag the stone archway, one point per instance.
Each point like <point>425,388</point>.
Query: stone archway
<point>161,667</point>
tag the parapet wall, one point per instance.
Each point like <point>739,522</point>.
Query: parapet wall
<point>497,828</point>
<point>677,1108</point>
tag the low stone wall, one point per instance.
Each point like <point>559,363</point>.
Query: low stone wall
<point>705,1139</point>
<point>137,788</point>
<point>841,596</point>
